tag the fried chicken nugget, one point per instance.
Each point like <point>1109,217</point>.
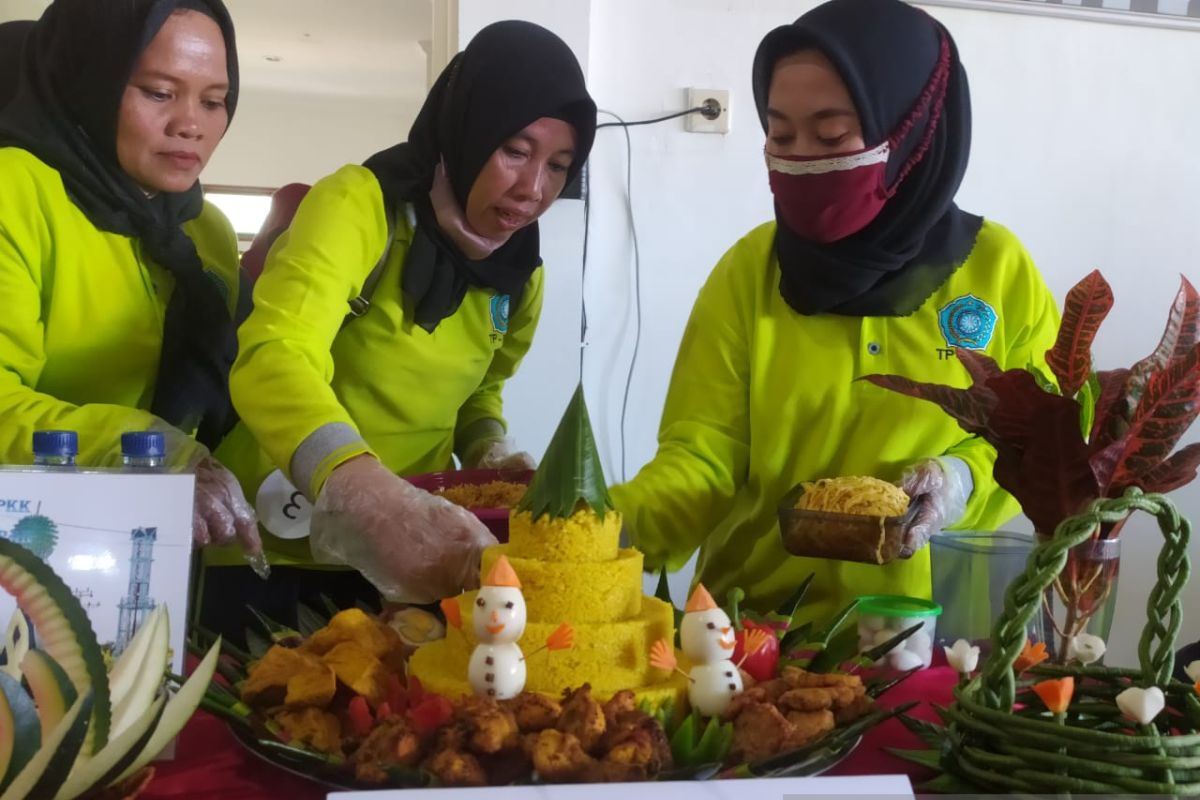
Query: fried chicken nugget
<point>797,678</point>
<point>816,699</point>
<point>456,768</point>
<point>534,712</point>
<point>808,726</point>
<point>860,707</point>
<point>745,699</point>
<point>582,717</point>
<point>559,757</point>
<point>819,698</point>
<point>773,689</point>
<point>758,732</point>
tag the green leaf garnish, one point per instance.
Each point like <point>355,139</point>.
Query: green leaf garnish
<point>570,475</point>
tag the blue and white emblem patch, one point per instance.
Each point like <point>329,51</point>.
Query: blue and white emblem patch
<point>967,322</point>
<point>500,313</point>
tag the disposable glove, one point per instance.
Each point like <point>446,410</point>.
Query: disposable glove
<point>413,546</point>
<point>499,454</point>
<point>942,487</point>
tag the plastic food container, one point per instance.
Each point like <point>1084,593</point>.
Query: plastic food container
<point>882,616</point>
<point>496,519</point>
<point>971,572</point>
<point>842,537</point>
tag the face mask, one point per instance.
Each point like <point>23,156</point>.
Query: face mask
<point>825,199</point>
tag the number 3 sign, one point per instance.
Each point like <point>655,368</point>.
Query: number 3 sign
<point>282,508</point>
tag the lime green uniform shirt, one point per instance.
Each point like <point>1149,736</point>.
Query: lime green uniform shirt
<point>315,394</point>
<point>81,314</point>
<point>762,398</point>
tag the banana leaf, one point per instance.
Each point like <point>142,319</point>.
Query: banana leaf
<point>257,644</point>
<point>878,688</point>
<point>696,743</point>
<point>280,634</point>
<point>309,621</point>
<point>570,474</point>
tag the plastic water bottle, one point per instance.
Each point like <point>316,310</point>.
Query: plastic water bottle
<point>144,451</point>
<point>55,449</point>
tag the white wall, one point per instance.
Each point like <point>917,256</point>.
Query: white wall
<point>1084,145</point>
<point>280,137</point>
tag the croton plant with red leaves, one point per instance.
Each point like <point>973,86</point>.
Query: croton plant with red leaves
<point>1062,442</point>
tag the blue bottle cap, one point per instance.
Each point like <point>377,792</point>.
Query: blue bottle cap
<point>143,444</point>
<point>55,443</point>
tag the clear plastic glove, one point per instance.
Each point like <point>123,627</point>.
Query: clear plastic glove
<point>220,513</point>
<point>413,546</point>
<point>499,454</point>
<point>942,486</point>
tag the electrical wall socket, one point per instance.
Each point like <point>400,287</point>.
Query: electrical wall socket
<point>698,123</point>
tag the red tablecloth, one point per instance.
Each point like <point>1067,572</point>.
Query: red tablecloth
<point>210,763</point>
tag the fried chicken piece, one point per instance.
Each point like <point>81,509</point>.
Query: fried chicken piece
<point>456,768</point>
<point>390,743</point>
<point>808,726</point>
<point>637,726</point>
<point>636,750</point>
<point>582,717</point>
<point>621,703</point>
<point>453,736</point>
<point>507,767</point>
<point>859,707</point>
<point>758,732</point>
<point>748,680</point>
<point>408,749</point>
<point>534,712</point>
<point>614,772</point>
<point>490,727</point>
<point>559,757</point>
<point>529,743</point>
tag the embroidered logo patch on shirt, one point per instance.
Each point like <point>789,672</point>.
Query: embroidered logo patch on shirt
<point>967,322</point>
<point>500,313</point>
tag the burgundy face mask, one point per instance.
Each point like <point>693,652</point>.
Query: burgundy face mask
<point>828,198</point>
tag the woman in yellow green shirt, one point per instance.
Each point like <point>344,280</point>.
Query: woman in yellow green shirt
<point>119,284</point>
<point>869,267</point>
<point>343,405</point>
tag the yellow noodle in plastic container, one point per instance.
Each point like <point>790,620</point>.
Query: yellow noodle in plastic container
<point>857,518</point>
<point>854,495</point>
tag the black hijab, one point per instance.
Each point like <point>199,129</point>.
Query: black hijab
<point>511,74</point>
<point>886,52</point>
<point>12,38</point>
<point>76,64</point>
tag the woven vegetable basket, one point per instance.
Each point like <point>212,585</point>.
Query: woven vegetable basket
<point>999,735</point>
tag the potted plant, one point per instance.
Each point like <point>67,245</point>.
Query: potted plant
<point>1065,439</point>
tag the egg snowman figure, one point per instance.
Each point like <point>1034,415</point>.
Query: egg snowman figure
<point>708,639</point>
<point>497,665</point>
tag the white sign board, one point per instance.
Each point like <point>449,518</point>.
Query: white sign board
<point>122,543</point>
<point>750,789</point>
